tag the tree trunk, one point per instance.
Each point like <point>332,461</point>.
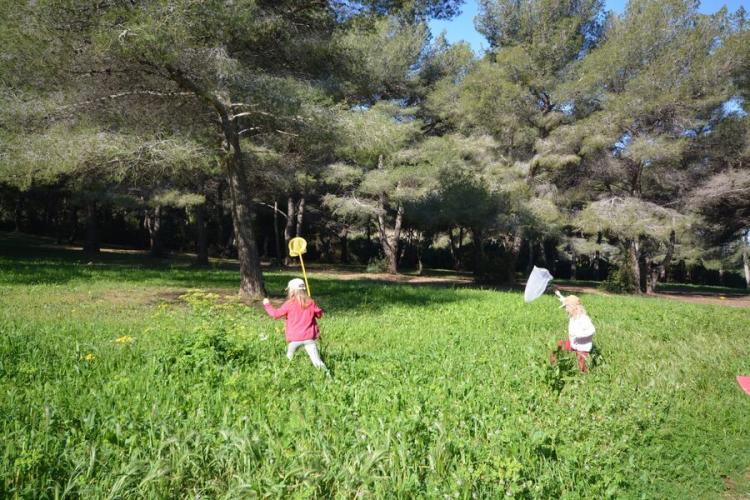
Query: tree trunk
<point>530,264</point>
<point>73,225</point>
<point>659,271</point>
<point>265,247</point>
<point>48,199</point>
<point>277,241</point>
<point>344,246</point>
<point>202,236</point>
<point>220,232</point>
<point>420,267</point>
<point>60,222</point>
<point>596,267</point>
<point>634,255</point>
<point>455,248</point>
<point>477,236</point>
<point>573,264</point>
<point>230,247</point>
<point>543,255</point>
<point>152,222</point>
<point>668,256</point>
<point>91,244</point>
<point>401,247</point>
<point>18,213</point>
<point>300,216</point>
<point>388,245</point>
<point>288,228</point>
<point>746,266</point>
<point>397,233</point>
<point>251,277</point>
<point>516,242</point>
<point>652,278</point>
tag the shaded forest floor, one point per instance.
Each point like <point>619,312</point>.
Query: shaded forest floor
<point>22,245</point>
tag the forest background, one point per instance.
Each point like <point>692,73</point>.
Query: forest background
<point>603,145</point>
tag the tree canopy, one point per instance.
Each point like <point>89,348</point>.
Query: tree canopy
<point>580,136</point>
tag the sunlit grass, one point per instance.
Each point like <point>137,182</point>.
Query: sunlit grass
<point>118,381</point>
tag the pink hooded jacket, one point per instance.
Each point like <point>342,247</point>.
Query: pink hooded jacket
<point>301,321</point>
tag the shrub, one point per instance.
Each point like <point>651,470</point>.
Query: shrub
<point>620,280</point>
<point>496,269</point>
<point>377,265</point>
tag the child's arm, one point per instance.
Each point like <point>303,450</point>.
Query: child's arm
<point>560,297</point>
<point>272,311</point>
<point>317,311</point>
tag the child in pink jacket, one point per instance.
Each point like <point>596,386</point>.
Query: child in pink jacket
<point>301,313</point>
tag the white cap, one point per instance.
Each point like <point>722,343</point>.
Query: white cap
<point>296,284</point>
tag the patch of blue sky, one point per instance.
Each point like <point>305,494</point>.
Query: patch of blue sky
<point>690,134</point>
<point>622,143</point>
<point>731,108</point>
<point>461,28</point>
<point>734,106</point>
<point>567,108</point>
<point>706,7</point>
<point>716,44</point>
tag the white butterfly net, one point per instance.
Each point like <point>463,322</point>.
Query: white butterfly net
<point>536,284</point>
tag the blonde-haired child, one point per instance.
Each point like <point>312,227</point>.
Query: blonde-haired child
<point>301,314</point>
<point>580,331</point>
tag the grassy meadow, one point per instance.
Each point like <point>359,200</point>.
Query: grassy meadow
<point>123,377</point>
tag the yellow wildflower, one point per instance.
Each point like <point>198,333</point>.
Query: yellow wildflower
<point>89,357</point>
<point>125,339</point>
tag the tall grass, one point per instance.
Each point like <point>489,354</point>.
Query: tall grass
<point>436,392</point>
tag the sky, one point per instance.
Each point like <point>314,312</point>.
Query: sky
<point>462,27</point>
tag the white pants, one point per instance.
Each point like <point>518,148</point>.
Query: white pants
<point>312,351</point>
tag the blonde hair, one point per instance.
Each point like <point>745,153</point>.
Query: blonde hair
<point>573,306</point>
<point>299,295</point>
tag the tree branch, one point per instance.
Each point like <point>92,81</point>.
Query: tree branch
<point>287,133</point>
<point>178,76</point>
<point>248,113</point>
<point>249,129</point>
<point>129,94</point>
<point>273,208</point>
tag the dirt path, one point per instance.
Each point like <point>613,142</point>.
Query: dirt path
<point>691,298</point>
<point>717,300</point>
<point>462,281</point>
<point>400,278</point>
<point>433,278</point>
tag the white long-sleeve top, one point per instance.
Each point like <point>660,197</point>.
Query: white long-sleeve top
<point>581,333</point>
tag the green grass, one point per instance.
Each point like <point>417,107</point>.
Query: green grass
<point>435,391</point>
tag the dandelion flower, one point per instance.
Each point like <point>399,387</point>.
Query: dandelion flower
<point>125,339</point>
<point>89,357</point>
